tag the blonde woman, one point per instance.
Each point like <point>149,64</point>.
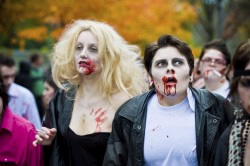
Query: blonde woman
<point>97,72</point>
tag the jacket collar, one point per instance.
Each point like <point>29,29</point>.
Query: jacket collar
<point>205,100</point>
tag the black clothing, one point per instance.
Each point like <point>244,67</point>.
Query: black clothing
<point>23,77</point>
<point>221,156</point>
<point>91,151</point>
<point>126,142</point>
<point>59,116</point>
<point>222,152</point>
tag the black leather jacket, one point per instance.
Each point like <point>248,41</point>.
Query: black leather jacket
<point>59,115</point>
<point>221,157</point>
<point>126,142</point>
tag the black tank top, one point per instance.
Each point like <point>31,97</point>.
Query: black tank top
<point>87,150</point>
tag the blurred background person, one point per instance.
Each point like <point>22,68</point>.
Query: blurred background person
<point>97,71</point>
<point>215,61</point>
<point>234,144</point>
<point>50,89</point>
<point>198,81</point>
<point>16,136</point>
<point>37,81</point>
<point>23,77</point>
<point>22,101</point>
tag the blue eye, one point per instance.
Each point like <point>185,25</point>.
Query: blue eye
<point>177,62</point>
<point>161,64</point>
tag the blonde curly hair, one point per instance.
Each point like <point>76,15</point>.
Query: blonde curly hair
<point>121,71</point>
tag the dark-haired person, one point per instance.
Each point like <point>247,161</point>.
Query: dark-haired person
<point>22,101</point>
<point>50,89</point>
<point>23,77</point>
<point>215,61</point>
<point>16,137</point>
<point>172,124</point>
<point>234,144</point>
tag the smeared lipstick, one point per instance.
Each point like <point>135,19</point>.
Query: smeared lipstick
<point>88,66</point>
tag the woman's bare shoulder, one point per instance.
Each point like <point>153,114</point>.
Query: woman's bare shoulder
<point>119,98</point>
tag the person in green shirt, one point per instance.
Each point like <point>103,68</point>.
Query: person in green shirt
<point>37,76</point>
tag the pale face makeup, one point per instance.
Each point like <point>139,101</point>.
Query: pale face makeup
<point>170,73</point>
<point>244,92</point>
<point>48,93</point>
<point>87,57</point>
<point>213,65</point>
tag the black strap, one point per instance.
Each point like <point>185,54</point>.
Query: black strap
<point>238,73</point>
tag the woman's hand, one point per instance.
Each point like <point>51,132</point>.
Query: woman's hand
<point>45,136</point>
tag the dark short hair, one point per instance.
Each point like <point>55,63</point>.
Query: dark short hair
<point>165,41</point>
<point>34,57</point>
<point>220,45</point>
<point>6,61</point>
<point>240,60</point>
<point>3,94</point>
<point>49,80</point>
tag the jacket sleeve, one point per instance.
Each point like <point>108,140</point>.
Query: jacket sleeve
<point>228,113</point>
<point>52,154</point>
<point>221,155</point>
<point>50,118</point>
<point>116,152</point>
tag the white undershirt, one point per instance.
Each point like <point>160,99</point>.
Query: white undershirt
<point>223,90</point>
<point>170,138</point>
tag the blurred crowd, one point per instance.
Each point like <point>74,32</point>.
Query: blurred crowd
<point>85,81</point>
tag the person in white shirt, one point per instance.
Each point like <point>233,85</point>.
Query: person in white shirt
<point>173,124</point>
<point>215,61</point>
<point>22,101</point>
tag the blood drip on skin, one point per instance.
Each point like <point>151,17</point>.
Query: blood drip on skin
<point>222,81</point>
<point>222,71</point>
<point>168,87</point>
<point>159,95</point>
<point>155,128</point>
<point>206,73</point>
<point>89,67</point>
<point>100,119</point>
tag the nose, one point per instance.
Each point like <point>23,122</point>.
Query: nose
<point>170,69</point>
<point>212,62</point>
<point>84,53</point>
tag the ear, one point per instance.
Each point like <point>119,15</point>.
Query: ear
<point>150,79</point>
<point>191,78</point>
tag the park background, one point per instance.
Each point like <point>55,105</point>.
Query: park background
<point>28,26</point>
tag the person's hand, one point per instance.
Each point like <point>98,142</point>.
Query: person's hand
<point>247,152</point>
<point>45,136</point>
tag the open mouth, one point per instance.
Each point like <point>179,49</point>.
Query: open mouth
<point>169,80</point>
<point>83,64</point>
